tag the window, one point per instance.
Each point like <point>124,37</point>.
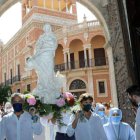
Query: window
<point>11,76</point>
<point>101,86</point>
<point>18,90</point>
<point>5,78</point>
<point>29,87</point>
<point>77,84</point>
<point>18,72</point>
<point>99,56</point>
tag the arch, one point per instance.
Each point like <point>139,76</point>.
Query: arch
<point>75,38</point>
<point>77,84</point>
<point>6,5</point>
<point>98,14</point>
<point>98,39</point>
<point>86,3</point>
<point>79,78</point>
<point>59,58</point>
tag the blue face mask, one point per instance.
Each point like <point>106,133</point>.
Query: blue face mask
<point>116,119</point>
<point>101,113</point>
<point>87,107</point>
<point>17,107</point>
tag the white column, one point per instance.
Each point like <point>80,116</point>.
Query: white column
<point>90,82</point>
<point>52,4</point>
<point>85,57</point>
<point>44,3</point>
<point>66,5</point>
<point>113,88</point>
<point>69,62</point>
<point>65,60</point>
<point>59,2</point>
<point>88,46</point>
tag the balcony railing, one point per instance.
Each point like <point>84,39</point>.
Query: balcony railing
<point>78,28</point>
<point>82,64</point>
<point>16,78</point>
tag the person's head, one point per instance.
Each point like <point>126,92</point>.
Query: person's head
<point>134,94</point>
<point>17,100</point>
<point>115,115</point>
<point>8,107</point>
<point>86,101</point>
<point>100,109</point>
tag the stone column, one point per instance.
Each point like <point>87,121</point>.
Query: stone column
<point>52,4</point>
<point>88,47</point>
<point>85,57</point>
<point>69,62</point>
<point>59,2</point>
<point>66,5</point>
<point>44,3</point>
<point>113,88</point>
<point>67,53</point>
<point>65,60</point>
<point>90,83</point>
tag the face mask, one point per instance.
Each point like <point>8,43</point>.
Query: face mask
<point>17,107</point>
<point>87,107</point>
<point>116,119</point>
<point>133,102</point>
<point>101,113</point>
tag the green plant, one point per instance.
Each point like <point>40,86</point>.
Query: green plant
<point>5,93</point>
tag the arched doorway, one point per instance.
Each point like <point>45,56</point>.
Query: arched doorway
<point>99,54</point>
<point>76,54</point>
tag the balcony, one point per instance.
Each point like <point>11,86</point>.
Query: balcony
<point>97,62</point>
<point>26,75</point>
<point>16,78</point>
<point>78,29</point>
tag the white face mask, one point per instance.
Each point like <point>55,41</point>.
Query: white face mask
<point>116,119</point>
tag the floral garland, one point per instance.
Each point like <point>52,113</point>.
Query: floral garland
<point>51,111</point>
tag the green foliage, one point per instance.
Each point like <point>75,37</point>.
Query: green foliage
<point>26,92</point>
<point>5,93</point>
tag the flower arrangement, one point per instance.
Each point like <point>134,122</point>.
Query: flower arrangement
<point>50,111</point>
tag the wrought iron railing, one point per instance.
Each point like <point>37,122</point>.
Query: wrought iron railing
<point>16,78</point>
<point>96,62</point>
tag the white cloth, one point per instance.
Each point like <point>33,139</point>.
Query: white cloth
<point>49,128</point>
<point>55,127</point>
<point>137,125</point>
<point>121,131</point>
<point>19,129</point>
<point>103,118</point>
<point>41,136</point>
<point>91,129</point>
<point>66,120</point>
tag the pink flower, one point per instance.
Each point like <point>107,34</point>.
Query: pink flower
<point>67,95</point>
<point>31,101</point>
<point>69,98</point>
<point>60,102</point>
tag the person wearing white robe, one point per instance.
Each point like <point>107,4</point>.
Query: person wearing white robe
<point>86,125</point>
<point>100,110</point>
<point>19,125</point>
<point>117,130</point>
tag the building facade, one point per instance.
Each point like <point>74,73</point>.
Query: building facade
<point>80,55</point>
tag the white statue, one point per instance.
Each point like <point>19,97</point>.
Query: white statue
<point>48,84</point>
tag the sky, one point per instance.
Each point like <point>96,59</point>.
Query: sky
<point>10,21</point>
